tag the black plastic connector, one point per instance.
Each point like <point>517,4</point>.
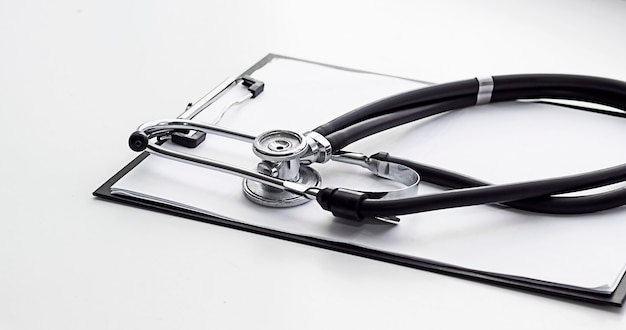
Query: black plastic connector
<point>185,139</point>
<point>342,203</point>
<point>138,141</point>
<point>255,86</point>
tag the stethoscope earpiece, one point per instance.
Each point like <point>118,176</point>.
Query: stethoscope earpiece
<point>138,141</point>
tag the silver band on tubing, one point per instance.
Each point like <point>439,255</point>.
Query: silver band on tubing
<point>485,89</point>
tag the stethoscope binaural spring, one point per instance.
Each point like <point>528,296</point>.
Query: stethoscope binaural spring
<point>283,177</point>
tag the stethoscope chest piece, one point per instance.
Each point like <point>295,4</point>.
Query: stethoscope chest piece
<point>280,152</point>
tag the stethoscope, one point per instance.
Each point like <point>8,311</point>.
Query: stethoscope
<point>284,177</point>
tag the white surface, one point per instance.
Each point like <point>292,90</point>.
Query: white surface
<point>500,143</point>
<point>76,77</point>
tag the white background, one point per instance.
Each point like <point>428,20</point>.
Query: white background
<point>76,77</point>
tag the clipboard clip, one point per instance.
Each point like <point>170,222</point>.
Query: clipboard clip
<point>192,138</point>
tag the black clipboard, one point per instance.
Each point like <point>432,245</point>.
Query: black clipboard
<point>616,298</point>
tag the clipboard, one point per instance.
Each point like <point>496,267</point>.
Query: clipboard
<point>613,298</point>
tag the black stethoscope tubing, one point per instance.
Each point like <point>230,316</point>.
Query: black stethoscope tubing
<point>534,196</point>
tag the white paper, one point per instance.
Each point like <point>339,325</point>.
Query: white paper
<point>498,143</point>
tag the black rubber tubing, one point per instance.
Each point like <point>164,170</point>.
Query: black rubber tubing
<point>534,194</point>
<point>530,196</point>
<point>410,99</point>
<point>342,130</point>
<point>348,135</point>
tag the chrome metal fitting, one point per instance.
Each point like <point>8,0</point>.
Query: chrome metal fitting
<point>320,150</point>
<point>281,153</point>
<point>485,89</point>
